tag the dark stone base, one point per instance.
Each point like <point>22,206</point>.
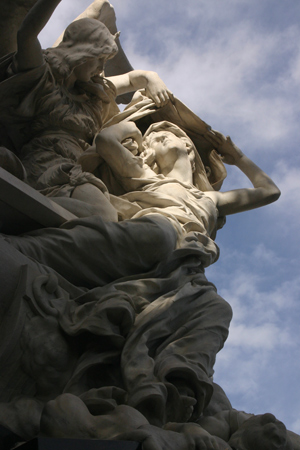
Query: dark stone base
<point>8,439</point>
<point>78,444</point>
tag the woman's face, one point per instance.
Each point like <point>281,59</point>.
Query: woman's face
<point>165,142</point>
<point>90,68</point>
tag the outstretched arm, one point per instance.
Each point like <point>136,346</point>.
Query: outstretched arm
<point>264,190</point>
<point>143,79</point>
<point>29,54</point>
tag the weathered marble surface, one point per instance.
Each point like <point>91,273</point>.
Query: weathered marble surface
<point>14,11</point>
<point>109,327</point>
<point>54,102</point>
<point>103,10</point>
<point>12,15</point>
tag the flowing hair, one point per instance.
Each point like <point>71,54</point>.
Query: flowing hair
<point>83,39</point>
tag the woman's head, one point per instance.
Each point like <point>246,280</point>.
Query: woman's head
<point>165,130</point>
<point>84,40</point>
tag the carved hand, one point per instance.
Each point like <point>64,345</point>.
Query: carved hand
<point>225,147</point>
<point>124,131</point>
<point>157,90</point>
<point>195,434</point>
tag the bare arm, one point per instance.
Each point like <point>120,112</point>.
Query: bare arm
<point>217,425</point>
<point>143,79</point>
<point>123,163</point>
<point>264,190</point>
<point>29,54</point>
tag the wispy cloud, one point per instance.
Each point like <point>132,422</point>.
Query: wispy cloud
<point>234,78</point>
<point>262,338</point>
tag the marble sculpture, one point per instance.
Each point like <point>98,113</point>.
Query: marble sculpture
<point>109,327</point>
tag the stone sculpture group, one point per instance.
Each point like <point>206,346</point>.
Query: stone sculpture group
<point>109,327</point>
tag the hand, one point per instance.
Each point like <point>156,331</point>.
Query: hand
<point>125,132</point>
<point>157,90</point>
<point>229,152</point>
<point>131,145</point>
<point>154,438</point>
<point>195,434</point>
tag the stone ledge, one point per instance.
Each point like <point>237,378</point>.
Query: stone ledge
<point>19,201</point>
<point>79,444</point>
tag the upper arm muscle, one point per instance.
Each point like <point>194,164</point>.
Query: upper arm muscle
<point>239,200</point>
<point>29,54</point>
<point>121,83</point>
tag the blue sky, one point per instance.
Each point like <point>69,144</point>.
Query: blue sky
<point>236,63</point>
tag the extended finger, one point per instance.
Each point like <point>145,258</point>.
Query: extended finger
<point>219,135</point>
<point>164,97</point>
<point>214,140</point>
<point>156,100</point>
<point>170,94</point>
<point>138,138</point>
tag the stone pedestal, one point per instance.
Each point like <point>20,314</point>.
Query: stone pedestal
<point>78,444</point>
<point>22,208</point>
<point>8,439</point>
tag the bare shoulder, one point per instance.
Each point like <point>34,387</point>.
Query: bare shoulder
<point>214,196</point>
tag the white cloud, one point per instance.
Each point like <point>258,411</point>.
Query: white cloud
<point>257,284</point>
<point>261,355</point>
<point>264,255</point>
<point>295,68</point>
<point>296,425</point>
<point>286,212</point>
<point>266,336</point>
<point>287,171</point>
<point>64,14</point>
<point>239,79</point>
<point>229,76</point>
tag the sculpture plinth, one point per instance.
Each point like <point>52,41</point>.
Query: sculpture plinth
<point>79,444</point>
